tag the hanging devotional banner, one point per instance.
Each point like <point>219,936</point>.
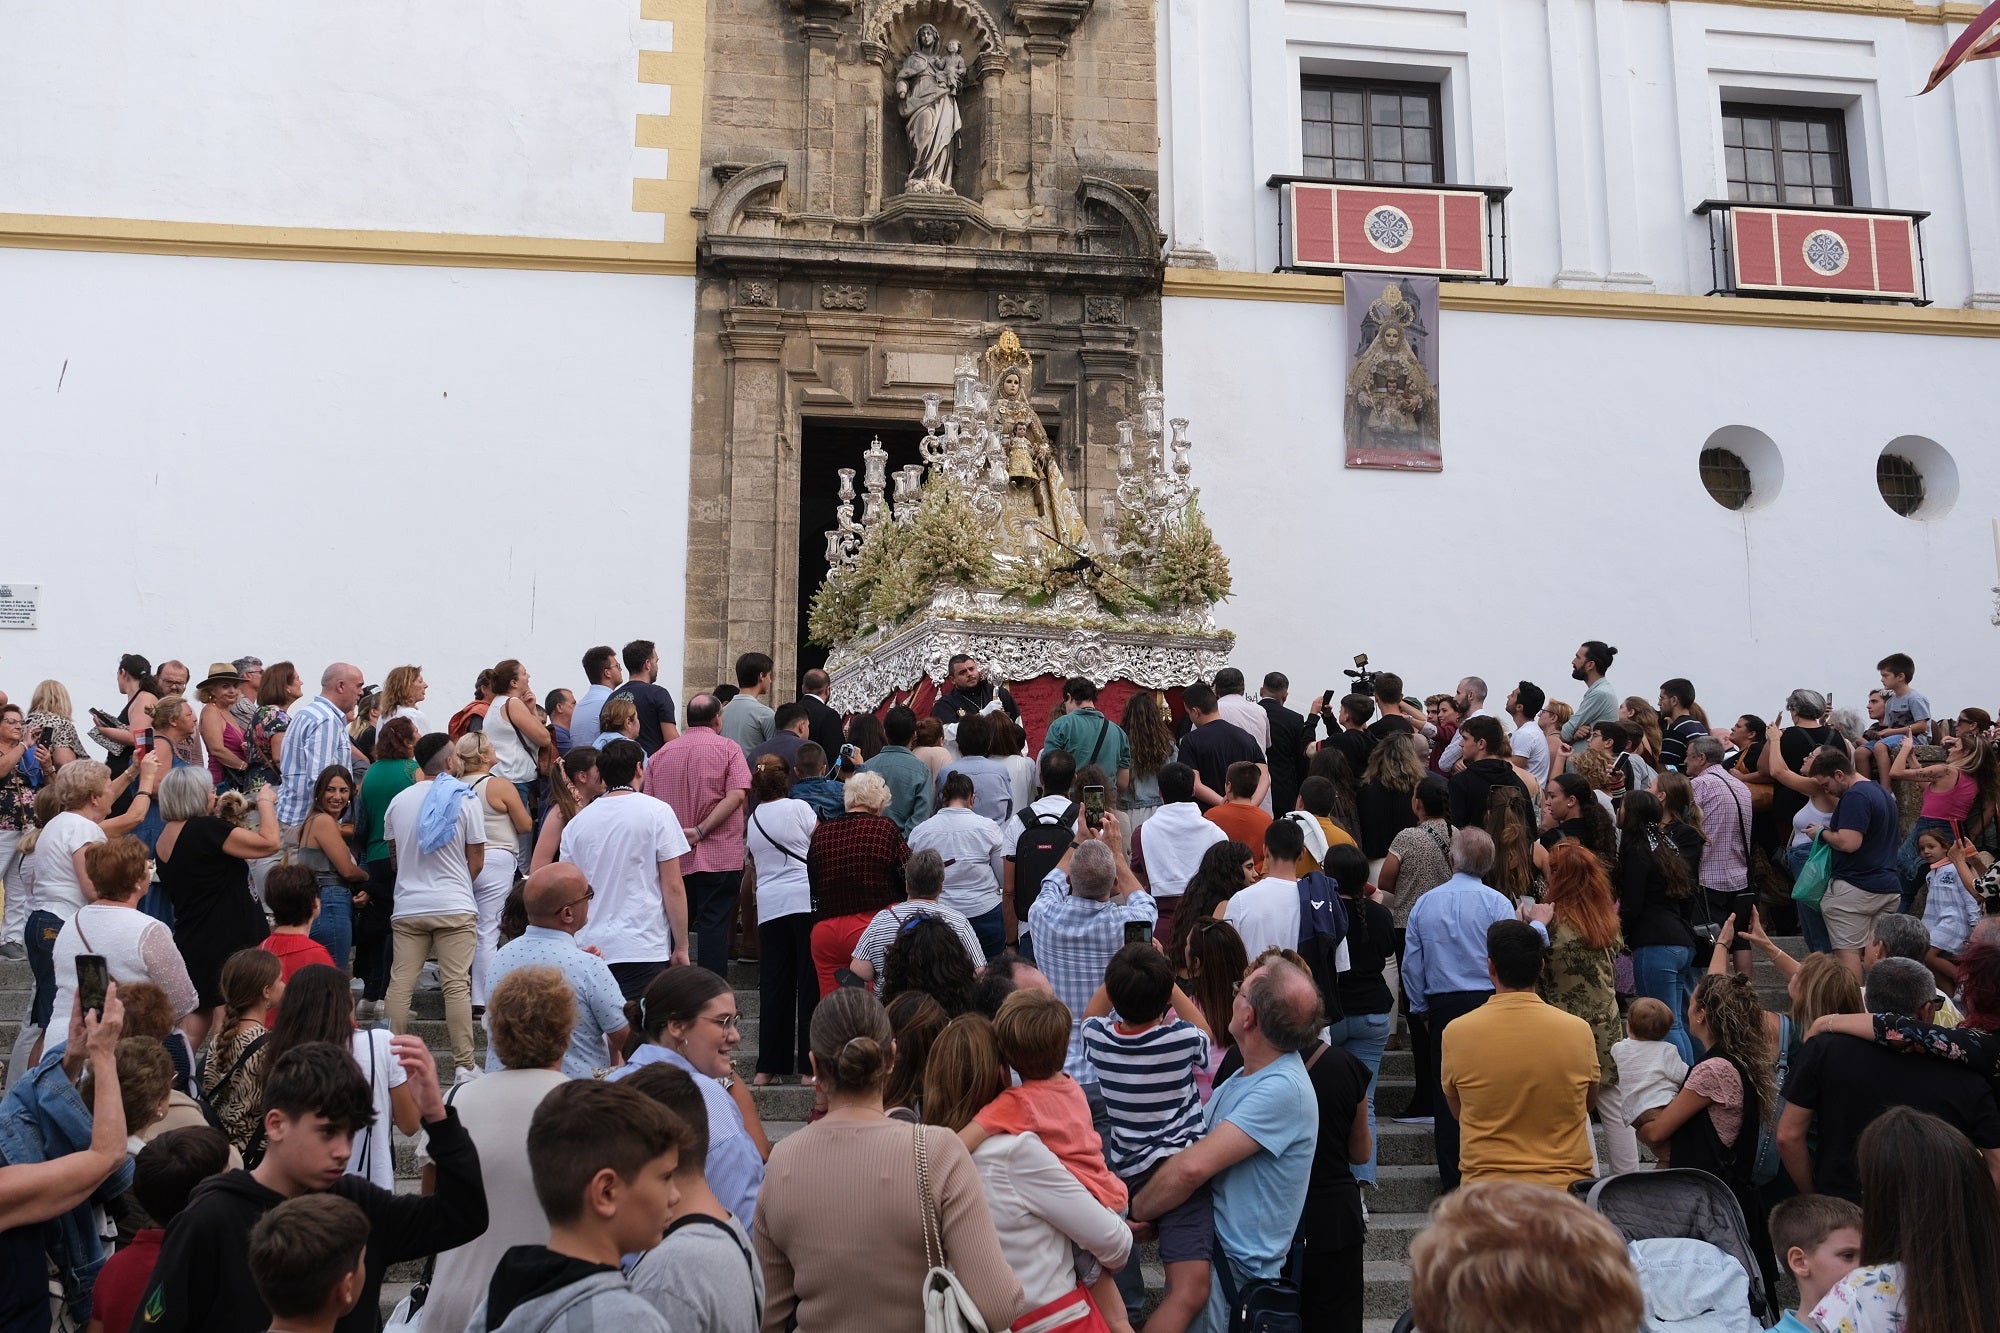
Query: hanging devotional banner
<point>1390,402</point>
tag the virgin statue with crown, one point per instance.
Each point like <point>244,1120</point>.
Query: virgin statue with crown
<point>1037,509</point>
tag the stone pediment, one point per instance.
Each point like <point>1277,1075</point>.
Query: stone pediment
<point>944,237</point>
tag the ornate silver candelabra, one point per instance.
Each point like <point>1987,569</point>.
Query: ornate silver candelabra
<point>1152,486</point>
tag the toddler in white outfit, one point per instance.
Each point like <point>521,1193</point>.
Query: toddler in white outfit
<point>1650,1074</point>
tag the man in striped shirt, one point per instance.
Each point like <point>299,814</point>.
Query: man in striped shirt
<point>1146,1057</point>
<point>315,739</point>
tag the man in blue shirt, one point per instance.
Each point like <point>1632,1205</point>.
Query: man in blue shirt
<point>1262,1129</point>
<point>1444,966</point>
<point>1863,833</point>
<point>557,898</point>
<point>601,669</point>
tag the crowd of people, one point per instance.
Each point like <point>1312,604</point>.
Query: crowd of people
<point>1130,984</point>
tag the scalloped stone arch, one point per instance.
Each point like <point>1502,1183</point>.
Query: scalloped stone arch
<point>893,18</point>
<point>726,212</point>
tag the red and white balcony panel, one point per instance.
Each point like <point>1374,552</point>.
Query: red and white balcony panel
<point>1450,231</point>
<point>1870,254</point>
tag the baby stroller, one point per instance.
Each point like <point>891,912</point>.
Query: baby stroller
<point>1685,1206</point>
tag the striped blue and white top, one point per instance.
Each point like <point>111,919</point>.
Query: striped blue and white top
<point>1147,1079</point>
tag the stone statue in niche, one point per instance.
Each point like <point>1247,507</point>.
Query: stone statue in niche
<point>928,85</point>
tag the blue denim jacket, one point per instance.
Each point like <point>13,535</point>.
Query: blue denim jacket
<point>44,1117</point>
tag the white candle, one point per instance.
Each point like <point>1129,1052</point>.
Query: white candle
<point>1996,546</point>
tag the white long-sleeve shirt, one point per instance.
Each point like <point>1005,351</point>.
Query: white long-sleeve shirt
<point>1040,1210</point>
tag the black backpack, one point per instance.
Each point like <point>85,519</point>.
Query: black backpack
<point>1042,842</point>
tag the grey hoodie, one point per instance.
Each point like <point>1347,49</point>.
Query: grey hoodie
<point>601,1303</point>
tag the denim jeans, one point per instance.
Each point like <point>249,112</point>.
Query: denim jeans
<point>1660,971</point>
<point>991,928</point>
<point>335,928</point>
<point>43,927</point>
<point>1363,1036</point>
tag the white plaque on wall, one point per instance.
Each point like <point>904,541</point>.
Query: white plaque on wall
<point>20,604</point>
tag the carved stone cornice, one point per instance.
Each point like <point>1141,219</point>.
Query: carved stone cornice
<point>1049,23</point>
<point>820,20</point>
<point>914,262</point>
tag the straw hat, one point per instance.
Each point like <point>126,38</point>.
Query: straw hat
<point>221,673</point>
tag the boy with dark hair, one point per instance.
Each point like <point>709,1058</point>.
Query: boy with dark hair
<point>1817,1239</point>
<point>604,1157</point>
<point>292,894</point>
<point>164,1174</point>
<point>1906,716</point>
<point>315,1098</point>
<point>695,1275</point>
<point>1146,1054</point>
<point>309,1259</point>
<point>1239,815</point>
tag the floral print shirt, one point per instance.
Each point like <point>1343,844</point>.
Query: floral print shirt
<point>1868,1300</point>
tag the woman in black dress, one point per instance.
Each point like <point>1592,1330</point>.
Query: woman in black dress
<point>205,868</point>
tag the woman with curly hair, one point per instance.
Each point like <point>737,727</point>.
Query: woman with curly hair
<point>927,956</point>
<point>1713,1124</point>
<point>1152,745</point>
<point>1384,805</point>
<point>1226,869</point>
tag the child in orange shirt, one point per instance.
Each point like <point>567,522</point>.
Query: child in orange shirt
<point>292,894</point>
<point>1033,1029</point>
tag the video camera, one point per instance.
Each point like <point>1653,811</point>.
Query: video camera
<point>1363,678</point>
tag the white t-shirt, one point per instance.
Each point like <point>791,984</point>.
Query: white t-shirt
<point>1532,745</point>
<point>56,886</point>
<point>417,718</point>
<point>374,1155</point>
<point>618,841</point>
<point>1266,914</point>
<point>435,883</point>
<point>772,829</point>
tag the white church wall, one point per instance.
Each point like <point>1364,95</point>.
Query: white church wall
<point>501,117</point>
<point>211,457</point>
<point>1570,505</point>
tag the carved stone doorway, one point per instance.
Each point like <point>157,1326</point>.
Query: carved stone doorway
<point>824,448</point>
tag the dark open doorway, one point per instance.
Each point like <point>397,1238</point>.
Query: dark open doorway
<point>825,448</point>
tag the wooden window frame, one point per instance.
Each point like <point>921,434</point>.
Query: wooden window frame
<point>1833,118</point>
<point>1431,92</point>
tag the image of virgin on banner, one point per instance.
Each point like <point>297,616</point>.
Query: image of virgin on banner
<point>1390,407</point>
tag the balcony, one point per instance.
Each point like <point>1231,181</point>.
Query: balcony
<point>1802,250</point>
<point>1449,231</point>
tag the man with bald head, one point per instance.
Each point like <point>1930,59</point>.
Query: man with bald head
<point>558,901</point>
<point>315,739</point>
<point>1262,1129</point>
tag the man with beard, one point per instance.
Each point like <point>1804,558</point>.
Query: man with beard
<point>970,693</point>
<point>1600,701</point>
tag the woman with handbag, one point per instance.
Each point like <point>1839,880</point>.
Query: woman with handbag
<point>1655,892</point>
<point>868,1222</point>
<point>1042,1213</point>
<point>776,839</point>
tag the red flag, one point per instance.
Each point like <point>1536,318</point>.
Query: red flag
<point>1979,41</point>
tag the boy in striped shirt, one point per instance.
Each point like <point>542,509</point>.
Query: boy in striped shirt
<point>1146,1055</point>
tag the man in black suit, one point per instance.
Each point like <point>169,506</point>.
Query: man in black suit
<point>1289,733</point>
<point>824,727</point>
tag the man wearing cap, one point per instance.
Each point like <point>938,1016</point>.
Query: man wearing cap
<point>244,711</point>
<point>315,739</point>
